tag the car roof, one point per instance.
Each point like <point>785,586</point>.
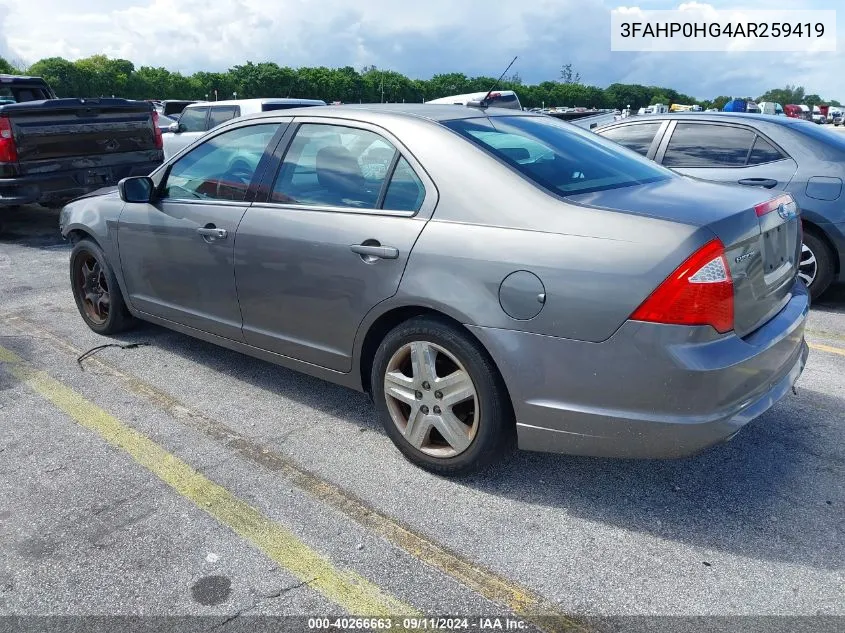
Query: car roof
<point>734,117</point>
<point>257,101</point>
<point>433,112</point>
<point>11,79</point>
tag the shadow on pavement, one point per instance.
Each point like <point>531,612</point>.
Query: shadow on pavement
<point>32,226</point>
<point>775,492</point>
<point>831,301</point>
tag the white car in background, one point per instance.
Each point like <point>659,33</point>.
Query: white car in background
<point>496,99</point>
<point>771,107</point>
<point>197,118</point>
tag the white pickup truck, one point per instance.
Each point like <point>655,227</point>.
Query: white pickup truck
<point>197,118</point>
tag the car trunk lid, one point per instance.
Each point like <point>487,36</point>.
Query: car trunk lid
<point>764,266</point>
<point>761,235</point>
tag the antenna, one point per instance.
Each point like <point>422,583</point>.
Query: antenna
<point>495,85</point>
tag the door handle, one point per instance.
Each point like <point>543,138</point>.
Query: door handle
<point>380,252</point>
<point>767,183</point>
<point>213,233</point>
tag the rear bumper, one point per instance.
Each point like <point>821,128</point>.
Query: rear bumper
<point>650,391</point>
<point>61,186</point>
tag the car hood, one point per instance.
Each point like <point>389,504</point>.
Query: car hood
<point>103,191</point>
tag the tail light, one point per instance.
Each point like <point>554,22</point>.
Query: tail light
<point>8,149</point>
<point>159,142</point>
<point>699,292</point>
<point>772,205</point>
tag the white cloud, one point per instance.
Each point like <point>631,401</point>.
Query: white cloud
<point>416,38</point>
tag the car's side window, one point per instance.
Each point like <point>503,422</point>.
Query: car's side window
<point>405,192</point>
<point>222,167</point>
<point>332,165</point>
<point>637,136</point>
<point>707,145</point>
<point>763,152</point>
<point>193,120</point>
<point>220,114</point>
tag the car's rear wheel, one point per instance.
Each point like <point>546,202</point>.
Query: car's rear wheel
<point>440,398</point>
<point>95,290</point>
<point>816,266</point>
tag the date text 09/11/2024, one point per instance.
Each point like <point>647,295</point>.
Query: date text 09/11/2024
<point>419,623</point>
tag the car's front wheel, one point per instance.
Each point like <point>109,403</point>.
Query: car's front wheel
<point>816,266</point>
<point>95,290</point>
<point>440,398</point>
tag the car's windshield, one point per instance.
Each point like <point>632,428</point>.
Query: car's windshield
<point>559,157</point>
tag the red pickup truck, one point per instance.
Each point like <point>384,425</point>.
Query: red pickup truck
<point>53,150</point>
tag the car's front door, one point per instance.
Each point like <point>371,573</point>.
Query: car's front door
<point>193,123</point>
<point>733,154</point>
<point>177,253</point>
<point>329,241</point>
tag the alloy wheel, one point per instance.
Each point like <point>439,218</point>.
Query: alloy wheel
<point>93,289</point>
<point>432,399</point>
<point>808,268</point>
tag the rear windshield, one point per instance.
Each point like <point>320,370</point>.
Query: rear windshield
<point>21,93</point>
<point>821,133</point>
<point>506,101</point>
<point>561,158</point>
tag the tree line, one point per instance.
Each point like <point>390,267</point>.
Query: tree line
<point>100,76</point>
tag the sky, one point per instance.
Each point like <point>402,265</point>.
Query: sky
<point>418,38</point>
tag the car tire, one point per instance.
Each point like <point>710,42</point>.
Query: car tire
<point>96,291</point>
<point>480,427</point>
<point>815,251</point>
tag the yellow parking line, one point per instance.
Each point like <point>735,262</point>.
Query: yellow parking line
<point>345,588</point>
<point>827,348</point>
<point>521,600</point>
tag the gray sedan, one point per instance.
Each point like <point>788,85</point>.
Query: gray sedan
<point>758,150</point>
<point>490,277</point>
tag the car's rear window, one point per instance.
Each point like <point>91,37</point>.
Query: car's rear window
<point>559,157</point>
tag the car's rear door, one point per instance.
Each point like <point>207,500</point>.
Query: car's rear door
<point>725,152</point>
<point>641,136</point>
<point>177,253</point>
<point>329,239</point>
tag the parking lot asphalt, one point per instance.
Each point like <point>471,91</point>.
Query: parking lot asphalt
<point>179,478</point>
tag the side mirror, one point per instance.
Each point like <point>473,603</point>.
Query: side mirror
<point>136,189</point>
<point>173,127</point>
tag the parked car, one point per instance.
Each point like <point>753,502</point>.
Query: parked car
<point>164,123</point>
<point>777,153</point>
<point>197,118</point>
<point>489,275</point>
<point>497,99</point>
<point>173,107</point>
<point>771,107</point>
<point>53,150</point>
